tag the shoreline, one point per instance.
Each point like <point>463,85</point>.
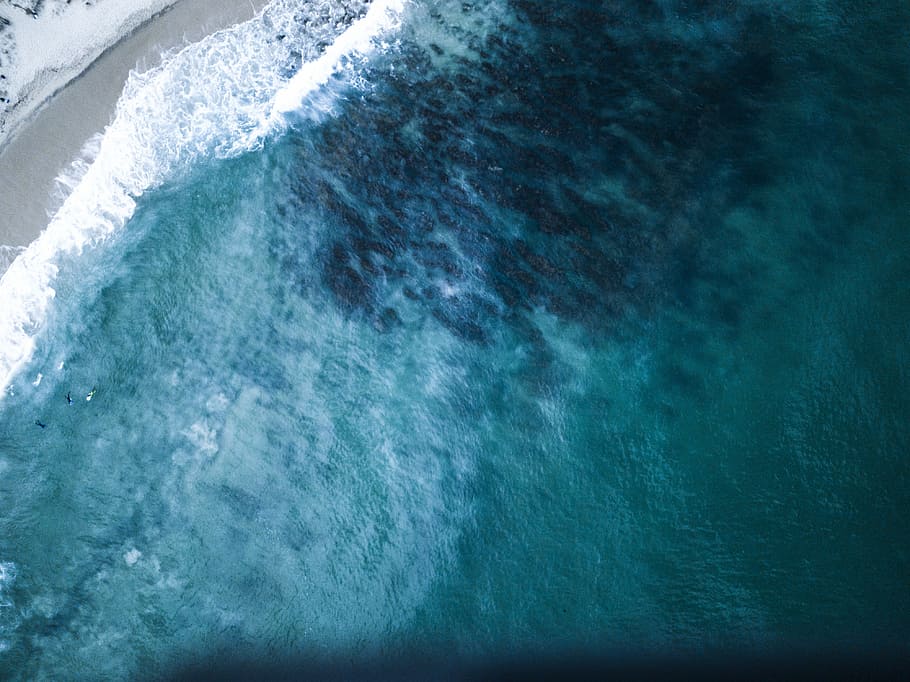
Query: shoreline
<point>50,138</point>
<point>41,54</point>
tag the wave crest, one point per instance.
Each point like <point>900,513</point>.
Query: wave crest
<point>219,98</point>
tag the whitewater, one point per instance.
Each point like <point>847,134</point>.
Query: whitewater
<point>163,123</point>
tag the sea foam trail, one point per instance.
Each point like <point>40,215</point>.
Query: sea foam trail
<point>218,98</point>
<point>359,40</point>
<point>7,613</point>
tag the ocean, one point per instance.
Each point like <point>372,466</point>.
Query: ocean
<point>486,328</point>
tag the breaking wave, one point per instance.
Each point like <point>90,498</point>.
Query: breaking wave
<point>217,98</point>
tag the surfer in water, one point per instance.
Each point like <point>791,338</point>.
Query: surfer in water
<point>91,394</point>
<point>69,399</point>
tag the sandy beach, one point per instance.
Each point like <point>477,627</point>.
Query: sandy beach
<point>52,133</point>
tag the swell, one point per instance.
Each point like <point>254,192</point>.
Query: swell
<point>220,97</point>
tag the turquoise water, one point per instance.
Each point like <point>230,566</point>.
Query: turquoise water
<point>535,329</point>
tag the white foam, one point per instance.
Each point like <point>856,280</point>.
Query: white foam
<point>7,621</point>
<point>216,98</point>
<point>203,438</point>
<point>8,254</point>
<point>7,575</point>
<point>358,41</point>
<point>7,578</point>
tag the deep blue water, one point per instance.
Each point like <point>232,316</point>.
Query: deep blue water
<point>545,326</point>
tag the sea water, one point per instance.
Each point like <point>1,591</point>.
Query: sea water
<point>482,328</point>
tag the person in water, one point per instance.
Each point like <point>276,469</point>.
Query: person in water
<point>69,399</point>
<point>38,422</point>
<point>91,394</point>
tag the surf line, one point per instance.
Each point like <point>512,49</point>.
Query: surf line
<point>104,198</point>
<point>359,39</point>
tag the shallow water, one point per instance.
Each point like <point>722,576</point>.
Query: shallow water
<point>535,328</point>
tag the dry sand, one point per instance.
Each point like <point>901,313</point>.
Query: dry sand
<point>46,144</point>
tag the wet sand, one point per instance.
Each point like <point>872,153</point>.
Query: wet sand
<point>52,139</point>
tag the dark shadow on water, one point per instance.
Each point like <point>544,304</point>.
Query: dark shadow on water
<point>574,160</point>
<point>870,664</point>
